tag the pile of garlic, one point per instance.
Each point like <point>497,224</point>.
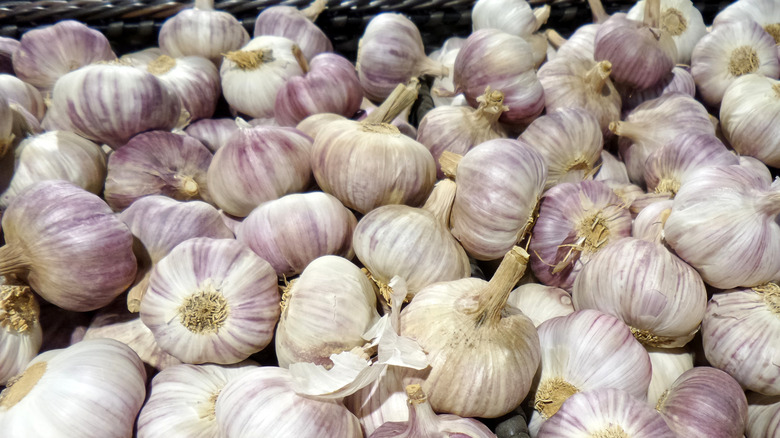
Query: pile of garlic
<point>581,239</point>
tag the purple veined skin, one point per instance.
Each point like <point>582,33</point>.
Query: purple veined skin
<point>7,48</point>
<point>194,79</point>
<point>330,86</point>
<point>213,133</point>
<point>48,53</point>
<point>297,25</point>
<point>679,79</point>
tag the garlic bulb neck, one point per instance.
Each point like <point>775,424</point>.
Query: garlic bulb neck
<point>12,260</point>
<point>440,201</point>
<point>401,98</point>
<point>634,131</point>
<point>18,309</point>
<point>380,128</point>
<point>551,394</point>
<point>18,387</point>
<point>315,9</point>
<point>491,106</point>
<point>449,163</point>
<point>743,60</point>
<point>554,38</point>
<point>492,299</point>
<point>597,9</point>
<point>774,30</point>
<point>250,59</point>
<point>286,295</point>
<point>422,419</point>
<point>163,64</point>
<point>301,58</point>
<point>770,293</point>
<point>673,21</point>
<point>598,76</point>
<point>542,14</point>
<point>204,5</point>
<point>646,337</point>
<point>769,202</point>
<point>205,311</point>
<point>652,13</point>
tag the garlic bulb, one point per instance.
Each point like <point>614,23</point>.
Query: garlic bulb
<point>739,333</point>
<point>605,412</point>
<point>666,168</point>
<point>756,166</point>
<point>611,170</point>
<point>728,52</point>
<point>295,229</point>
<point>46,54</point>
<point>582,352</point>
<point>508,172</point>
<point>202,31</point>
<point>213,133</point>
<point>649,223</point>
<point>211,300</point>
<point>142,57</point>
<point>182,400</point>
<point>483,353</point>
<point>763,12</point>
<point>324,311</point>
<point>423,422</point>
<point>57,155</point>
<point>653,124</point>
<point>540,302</point>
<point>681,20</point>
<point>724,224</point>
<point>459,128</point>
<point>297,25</point>
<point>679,79</point>
<point>138,102</point>
<point>259,164</point>
<point>193,78</point>
<point>329,85</point>
<point>22,93</point>
<point>157,162</point>
<point>490,57</point>
<point>726,412</point>
<point>668,365</point>
<point>75,233</point>
<point>20,330</point>
<point>570,141</point>
<point>747,115</point>
<point>763,415</point>
<point>580,44</point>
<point>391,52</point>
<point>576,222</point>
<point>96,387</point>
<point>514,17</point>
<point>655,293</point>
<point>253,75</point>
<point>262,403</point>
<point>7,48</point>
<point>583,84</point>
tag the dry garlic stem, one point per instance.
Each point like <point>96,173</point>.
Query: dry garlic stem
<point>449,163</point>
<point>493,297</point>
<point>401,98</point>
<point>440,201</point>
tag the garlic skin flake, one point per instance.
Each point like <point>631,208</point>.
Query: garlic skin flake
<point>20,329</point>
<point>211,300</point>
<point>748,116</point>
<point>681,20</point>
<point>96,387</point>
<point>739,334</point>
<point>183,398</point>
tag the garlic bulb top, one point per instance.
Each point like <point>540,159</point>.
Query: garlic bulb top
<point>46,54</point>
<point>96,387</point>
<point>297,25</point>
<point>20,329</point>
<point>193,78</point>
<point>681,20</point>
<point>764,12</point>
<point>724,224</point>
<point>73,252</point>
<point>540,302</point>
<point>202,31</point>
<point>747,115</point>
<point>514,17</point>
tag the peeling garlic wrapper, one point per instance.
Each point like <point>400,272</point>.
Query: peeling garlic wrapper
<point>20,329</point>
<point>211,300</point>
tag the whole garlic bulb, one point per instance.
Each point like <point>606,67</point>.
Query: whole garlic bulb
<point>297,25</point>
<point>324,311</point>
<point>20,329</point>
<point>514,17</point>
<point>194,79</point>
<point>763,12</point>
<point>102,380</point>
<point>213,133</point>
<point>211,300</point>
<point>679,79</point>
<point>747,117</point>
<point>681,20</point>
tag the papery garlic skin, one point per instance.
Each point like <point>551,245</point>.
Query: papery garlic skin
<point>739,334</point>
<point>75,232</point>
<point>213,133</point>
<point>729,51</point>
<point>211,300</point>
<point>101,380</point>
<point>584,351</point>
<point>20,329</point>
<point>678,80</point>
<point>262,403</point>
<point>763,415</point>
<point>605,412</point>
<point>748,117</point>
<point>764,12</point>
<point>649,223</point>
<point>726,412</point>
<point>611,170</point>
<point>514,17</point>
<point>138,102</point>
<point>182,400</point>
<point>57,155</point>
<point>580,45</point>
<point>382,401</point>
<point>540,302</point>
<point>253,75</point>
<point>295,229</point>
<point>681,20</point>
<point>46,54</point>
<point>194,79</point>
<point>668,365</point>
<point>297,25</point>
<point>325,311</point>
<point>723,223</point>
<point>16,90</point>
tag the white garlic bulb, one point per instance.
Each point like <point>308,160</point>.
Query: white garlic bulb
<point>747,117</point>
<point>540,302</point>
<point>514,17</point>
<point>764,12</point>
<point>211,300</point>
<point>668,365</point>
<point>681,20</point>
<point>20,329</point>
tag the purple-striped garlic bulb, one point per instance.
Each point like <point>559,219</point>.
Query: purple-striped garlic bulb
<point>584,351</point>
<point>655,293</point>
<point>330,85</point>
<point>748,117</point>
<point>540,302</point>
<point>259,164</point>
<point>505,63</point>
<point>213,133</point>
<point>136,101</point>
<point>668,365</point>
<point>202,31</point>
<point>763,415</point>
<point>681,20</point>
<point>576,221</point>
<point>292,231</point>
<point>211,300</point>
<point>391,52</point>
<point>46,54</point>
<point>157,163</point>
<point>75,253</point>
<point>21,335</point>
<point>193,78</point>
<point>678,80</point>
<point>25,95</point>
<point>297,25</point>
<point>580,45</point>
